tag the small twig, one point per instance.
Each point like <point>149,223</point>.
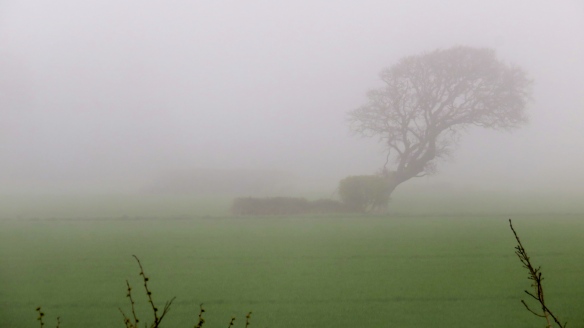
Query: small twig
<point>41,315</point>
<point>148,292</point>
<point>127,320</point>
<point>201,320</point>
<point>136,320</point>
<point>530,310</point>
<point>166,308</point>
<point>231,323</point>
<point>247,319</point>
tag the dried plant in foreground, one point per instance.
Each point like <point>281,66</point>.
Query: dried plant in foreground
<point>133,322</point>
<point>201,320</point>
<point>536,277</point>
<point>42,314</point>
<point>155,311</point>
<point>247,317</point>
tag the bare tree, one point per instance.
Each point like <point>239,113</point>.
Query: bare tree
<point>429,99</point>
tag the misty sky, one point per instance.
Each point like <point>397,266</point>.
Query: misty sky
<point>106,95</point>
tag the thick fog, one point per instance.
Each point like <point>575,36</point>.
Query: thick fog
<point>110,96</point>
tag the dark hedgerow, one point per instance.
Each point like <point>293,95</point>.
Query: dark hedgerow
<point>270,206</point>
<point>285,206</point>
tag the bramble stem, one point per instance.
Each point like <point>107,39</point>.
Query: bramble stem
<point>536,277</point>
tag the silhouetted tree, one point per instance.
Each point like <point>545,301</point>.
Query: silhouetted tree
<point>429,99</point>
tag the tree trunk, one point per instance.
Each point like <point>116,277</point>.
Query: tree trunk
<point>382,208</point>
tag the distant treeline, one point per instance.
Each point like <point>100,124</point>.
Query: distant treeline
<point>286,206</point>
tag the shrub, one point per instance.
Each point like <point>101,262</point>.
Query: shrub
<point>364,193</point>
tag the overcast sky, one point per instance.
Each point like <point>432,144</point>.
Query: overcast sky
<point>99,94</point>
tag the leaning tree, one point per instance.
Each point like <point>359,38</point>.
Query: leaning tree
<point>429,99</point>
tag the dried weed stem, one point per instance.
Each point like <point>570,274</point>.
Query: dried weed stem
<point>536,277</point>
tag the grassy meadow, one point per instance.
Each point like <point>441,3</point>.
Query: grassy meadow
<point>346,271</point>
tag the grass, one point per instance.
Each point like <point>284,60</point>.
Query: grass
<point>291,272</point>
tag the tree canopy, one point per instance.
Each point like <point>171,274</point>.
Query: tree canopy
<point>428,99</point>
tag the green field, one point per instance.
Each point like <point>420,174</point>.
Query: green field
<point>291,272</point>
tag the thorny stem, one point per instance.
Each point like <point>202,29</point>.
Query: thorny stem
<point>166,308</point>
<point>127,320</point>
<point>247,317</point>
<point>537,278</point>
<point>41,315</point>
<point>201,320</point>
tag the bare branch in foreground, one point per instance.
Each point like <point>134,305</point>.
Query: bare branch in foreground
<point>536,277</point>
